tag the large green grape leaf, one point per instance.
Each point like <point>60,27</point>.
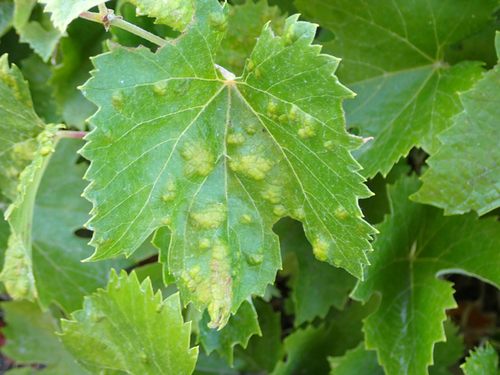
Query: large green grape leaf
<point>465,175</point>
<point>244,26</point>
<point>39,33</point>
<point>59,211</point>
<point>307,273</point>
<point>482,361</point>
<point>32,338</point>
<point>416,244</point>
<point>239,329</point>
<point>392,54</point>
<point>179,143</point>
<point>64,11</point>
<point>128,329</point>
<point>174,13</point>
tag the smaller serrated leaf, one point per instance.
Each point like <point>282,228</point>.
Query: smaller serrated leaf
<point>464,174</point>
<point>39,34</point>
<point>309,300</point>
<point>482,361</point>
<point>32,338</point>
<point>263,352</point>
<point>449,352</point>
<point>239,329</point>
<point>129,329</point>
<point>175,13</point>
<point>358,361</point>
<point>63,11</point>
<point>6,16</point>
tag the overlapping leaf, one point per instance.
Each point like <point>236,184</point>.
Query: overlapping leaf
<point>465,173</point>
<point>128,329</point>
<point>392,58</point>
<point>244,26</point>
<point>415,245</point>
<point>31,339</point>
<point>19,128</point>
<point>240,328</point>
<point>40,34</point>
<point>174,13</point>
<point>180,143</point>
<point>63,11</point>
<point>357,361</point>
<point>59,211</point>
<point>482,361</point>
<point>307,273</point>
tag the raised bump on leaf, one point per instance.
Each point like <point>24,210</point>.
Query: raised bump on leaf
<point>253,166</point>
<point>198,159</point>
<point>212,216</point>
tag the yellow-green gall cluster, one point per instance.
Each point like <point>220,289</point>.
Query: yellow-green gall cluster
<point>160,88</point>
<point>273,194</point>
<point>320,248</point>
<point>16,274</point>
<point>212,216</point>
<point>236,139</point>
<point>253,166</point>
<point>170,191</point>
<point>198,158</point>
<point>117,100</point>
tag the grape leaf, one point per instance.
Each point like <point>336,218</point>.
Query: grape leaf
<point>464,175</point>
<point>6,16</point>
<point>128,329</point>
<point>40,34</point>
<point>174,13</point>
<point>239,329</point>
<point>392,54</point>
<point>57,252</point>
<point>309,300</point>
<point>219,160</point>
<point>482,361</point>
<point>63,11</point>
<point>416,244</point>
<point>245,23</point>
<point>84,40</point>
<point>31,338</point>
<point>358,361</point>
<point>37,73</point>
<point>447,353</point>
<point>17,272</point>
<point>19,128</point>
<point>266,350</point>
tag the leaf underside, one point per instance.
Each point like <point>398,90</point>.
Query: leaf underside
<point>180,143</point>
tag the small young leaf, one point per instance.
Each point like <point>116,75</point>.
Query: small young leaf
<point>129,329</point>
<point>392,53</point>
<point>482,361</point>
<point>416,244</point>
<point>449,352</point>
<point>464,174</point>
<point>32,338</point>
<point>181,143</point>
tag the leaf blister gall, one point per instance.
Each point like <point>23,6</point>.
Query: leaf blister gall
<point>199,160</point>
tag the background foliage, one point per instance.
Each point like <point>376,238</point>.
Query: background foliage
<point>226,226</point>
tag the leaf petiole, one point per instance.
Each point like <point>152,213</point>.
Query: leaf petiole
<point>108,18</point>
<point>70,134</point>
